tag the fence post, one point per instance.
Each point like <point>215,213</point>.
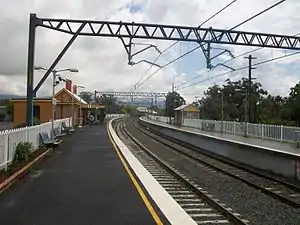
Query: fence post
<point>27,134</point>
<point>3,145</point>
<point>7,151</point>
<point>262,131</point>
<point>281,133</point>
<point>234,127</point>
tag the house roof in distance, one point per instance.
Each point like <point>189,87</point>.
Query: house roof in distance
<point>190,107</point>
<point>75,96</point>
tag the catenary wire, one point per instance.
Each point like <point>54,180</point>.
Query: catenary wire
<point>241,68</point>
<point>172,45</point>
<point>194,49</point>
<point>225,62</point>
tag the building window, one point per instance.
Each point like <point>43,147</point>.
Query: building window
<point>37,112</point>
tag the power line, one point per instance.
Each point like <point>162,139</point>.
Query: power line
<point>198,76</point>
<point>246,53</point>
<point>150,67</point>
<point>221,10</point>
<point>225,62</point>
<point>194,49</point>
<point>193,78</point>
<point>241,68</point>
<point>172,45</point>
<point>260,13</point>
<point>276,58</point>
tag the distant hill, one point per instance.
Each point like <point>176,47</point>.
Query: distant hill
<point>9,96</point>
<point>144,103</point>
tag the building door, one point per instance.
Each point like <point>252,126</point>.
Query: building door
<point>37,112</point>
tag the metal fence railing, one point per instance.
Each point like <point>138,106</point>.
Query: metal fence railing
<point>264,131</point>
<point>9,139</point>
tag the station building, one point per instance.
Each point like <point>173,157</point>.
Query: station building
<point>67,105</point>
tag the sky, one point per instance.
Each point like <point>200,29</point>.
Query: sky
<point>102,61</point>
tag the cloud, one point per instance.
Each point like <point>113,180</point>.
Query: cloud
<point>102,62</point>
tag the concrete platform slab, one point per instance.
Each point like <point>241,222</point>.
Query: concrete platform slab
<point>83,182</point>
<point>287,148</point>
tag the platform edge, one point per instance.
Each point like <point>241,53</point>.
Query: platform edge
<point>168,206</point>
<point>218,138</point>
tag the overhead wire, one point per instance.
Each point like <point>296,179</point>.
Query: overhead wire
<point>240,24</point>
<point>194,49</point>
<point>172,45</point>
<point>251,51</point>
<point>225,62</point>
<point>241,68</point>
<point>154,62</point>
<point>221,10</point>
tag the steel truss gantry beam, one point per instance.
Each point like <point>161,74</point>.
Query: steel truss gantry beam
<point>132,94</point>
<point>169,32</point>
<point>141,31</point>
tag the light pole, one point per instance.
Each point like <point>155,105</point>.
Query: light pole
<point>80,113</point>
<point>54,83</point>
<point>222,108</point>
<point>246,108</point>
<point>198,105</point>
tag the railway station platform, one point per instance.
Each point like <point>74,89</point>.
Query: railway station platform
<point>287,148</point>
<point>281,159</point>
<point>85,181</point>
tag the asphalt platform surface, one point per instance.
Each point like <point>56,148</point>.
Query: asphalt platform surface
<point>82,182</point>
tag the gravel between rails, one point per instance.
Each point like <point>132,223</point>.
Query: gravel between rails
<point>253,205</point>
<point>273,186</point>
<point>197,208</point>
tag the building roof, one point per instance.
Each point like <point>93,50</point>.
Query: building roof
<point>145,109</point>
<point>182,107</point>
<point>75,96</point>
<point>142,109</point>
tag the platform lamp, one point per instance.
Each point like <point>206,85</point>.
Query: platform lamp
<point>80,113</point>
<point>54,84</point>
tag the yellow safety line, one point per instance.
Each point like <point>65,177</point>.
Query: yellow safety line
<point>136,184</point>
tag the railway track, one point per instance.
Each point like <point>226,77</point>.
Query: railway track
<point>281,190</point>
<point>198,203</point>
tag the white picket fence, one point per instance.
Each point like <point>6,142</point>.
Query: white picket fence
<point>9,139</point>
<point>264,131</point>
<point>111,116</point>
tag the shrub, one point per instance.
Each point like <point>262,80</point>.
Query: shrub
<point>2,116</point>
<point>23,151</point>
<point>9,109</point>
<point>36,121</point>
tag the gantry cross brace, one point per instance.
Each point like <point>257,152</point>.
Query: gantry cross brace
<point>141,31</point>
<point>132,94</point>
<point>170,32</point>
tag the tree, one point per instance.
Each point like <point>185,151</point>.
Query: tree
<point>110,103</point>
<point>271,110</point>
<point>127,109</point>
<point>9,108</point>
<point>173,100</point>
<point>293,104</point>
<point>86,96</point>
<point>234,101</point>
